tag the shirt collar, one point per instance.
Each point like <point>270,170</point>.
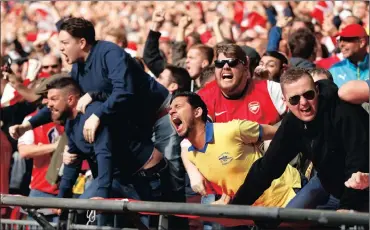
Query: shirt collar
<point>362,64</point>
<point>209,138</point>
<point>89,58</point>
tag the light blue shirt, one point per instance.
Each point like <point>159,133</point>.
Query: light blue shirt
<point>345,71</point>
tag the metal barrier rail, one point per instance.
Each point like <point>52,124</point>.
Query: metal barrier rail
<point>7,224</point>
<point>318,217</point>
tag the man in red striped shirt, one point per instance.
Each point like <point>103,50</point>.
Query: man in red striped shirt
<point>39,144</point>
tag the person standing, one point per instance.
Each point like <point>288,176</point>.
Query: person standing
<point>333,134</point>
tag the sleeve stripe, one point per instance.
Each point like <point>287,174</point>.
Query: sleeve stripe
<point>276,96</point>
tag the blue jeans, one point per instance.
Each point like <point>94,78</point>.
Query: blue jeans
<point>208,199</point>
<point>37,193</point>
<point>118,190</point>
<point>313,196</point>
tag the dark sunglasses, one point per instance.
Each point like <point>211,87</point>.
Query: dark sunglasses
<point>230,62</point>
<point>49,66</point>
<point>348,39</point>
<point>309,95</point>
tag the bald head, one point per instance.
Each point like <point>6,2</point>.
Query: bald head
<point>51,64</point>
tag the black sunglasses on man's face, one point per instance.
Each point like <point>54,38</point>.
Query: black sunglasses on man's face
<point>309,95</point>
<point>230,62</point>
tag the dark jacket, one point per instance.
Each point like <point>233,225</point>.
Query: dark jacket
<point>336,141</point>
<point>133,94</point>
<point>152,55</point>
<point>107,160</point>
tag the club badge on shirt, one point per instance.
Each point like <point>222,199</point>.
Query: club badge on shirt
<point>254,107</point>
<point>224,158</point>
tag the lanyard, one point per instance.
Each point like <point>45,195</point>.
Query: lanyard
<point>358,73</point>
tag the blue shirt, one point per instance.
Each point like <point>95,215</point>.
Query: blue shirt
<point>345,71</point>
<point>105,161</point>
<point>209,138</point>
<point>133,93</point>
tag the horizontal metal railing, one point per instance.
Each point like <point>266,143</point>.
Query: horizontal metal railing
<point>298,216</point>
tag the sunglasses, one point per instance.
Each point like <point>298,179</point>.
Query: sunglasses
<point>230,62</point>
<point>49,66</point>
<point>348,39</point>
<point>309,95</point>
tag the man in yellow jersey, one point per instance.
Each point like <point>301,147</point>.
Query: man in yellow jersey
<point>224,152</point>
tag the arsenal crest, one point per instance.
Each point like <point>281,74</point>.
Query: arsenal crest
<point>254,107</point>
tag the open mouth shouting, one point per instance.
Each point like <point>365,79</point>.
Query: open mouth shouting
<point>227,76</point>
<point>177,123</point>
<point>307,111</point>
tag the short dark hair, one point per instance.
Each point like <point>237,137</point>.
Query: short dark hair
<point>231,50</point>
<point>277,55</point>
<point>293,75</point>
<point>65,83</point>
<point>206,74</point>
<point>316,71</point>
<point>302,43</point>
<point>195,101</point>
<point>79,28</point>
<point>181,77</point>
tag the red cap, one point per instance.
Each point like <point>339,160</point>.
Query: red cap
<point>353,30</point>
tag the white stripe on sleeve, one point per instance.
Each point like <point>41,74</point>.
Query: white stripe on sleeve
<point>276,96</point>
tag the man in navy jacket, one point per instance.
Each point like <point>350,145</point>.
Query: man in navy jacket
<point>135,99</point>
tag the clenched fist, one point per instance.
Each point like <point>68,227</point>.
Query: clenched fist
<point>16,131</point>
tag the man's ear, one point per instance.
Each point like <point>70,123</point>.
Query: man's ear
<point>247,63</point>
<point>363,42</point>
<point>72,100</point>
<point>317,90</point>
<point>83,43</point>
<point>198,112</point>
<point>205,63</point>
<point>285,101</point>
<point>284,68</point>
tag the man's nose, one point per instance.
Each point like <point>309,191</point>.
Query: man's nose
<point>226,66</point>
<point>49,104</point>
<point>303,101</point>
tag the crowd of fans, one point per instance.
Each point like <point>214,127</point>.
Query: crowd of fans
<point>257,103</point>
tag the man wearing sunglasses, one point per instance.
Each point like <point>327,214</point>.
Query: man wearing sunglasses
<point>51,64</point>
<point>235,95</point>
<point>353,43</point>
<point>331,133</point>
